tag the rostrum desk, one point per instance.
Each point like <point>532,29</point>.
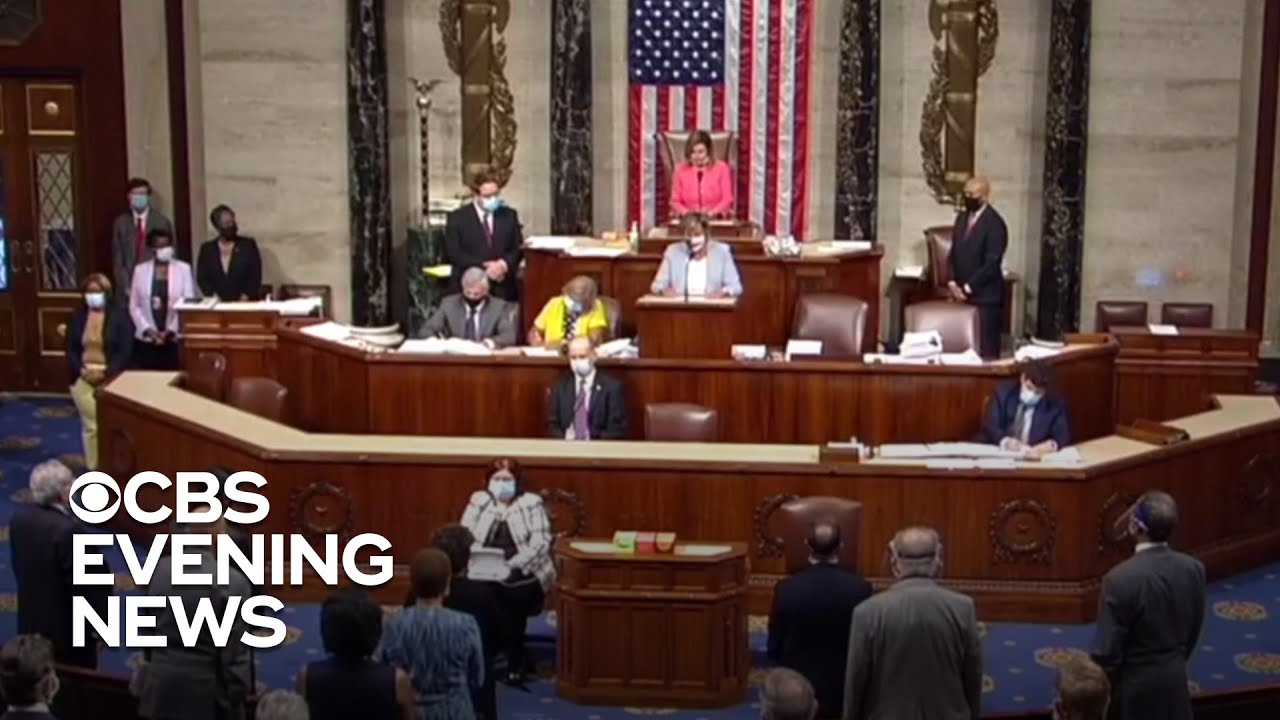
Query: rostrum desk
<point>1029,543</point>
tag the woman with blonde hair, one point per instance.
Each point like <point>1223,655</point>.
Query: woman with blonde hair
<point>99,347</point>
<point>576,312</point>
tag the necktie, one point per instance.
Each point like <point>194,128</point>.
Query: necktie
<point>973,220</point>
<point>140,239</point>
<point>581,431</point>
<point>470,332</point>
<point>1019,429</point>
<point>488,228</point>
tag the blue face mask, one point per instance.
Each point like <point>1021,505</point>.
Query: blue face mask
<point>1030,397</point>
<point>572,305</point>
<point>492,204</point>
<point>95,300</point>
<point>502,488</point>
<point>139,201</point>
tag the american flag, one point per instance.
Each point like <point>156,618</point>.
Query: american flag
<point>740,65</point>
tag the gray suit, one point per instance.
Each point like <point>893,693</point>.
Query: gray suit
<point>497,320</point>
<point>914,652</point>
<point>124,240</point>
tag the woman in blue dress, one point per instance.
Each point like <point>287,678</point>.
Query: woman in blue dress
<point>438,647</point>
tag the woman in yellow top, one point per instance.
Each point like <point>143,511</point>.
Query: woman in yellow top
<point>99,347</point>
<point>577,312</point>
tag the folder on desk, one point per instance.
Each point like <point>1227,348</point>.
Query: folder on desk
<point>487,565</point>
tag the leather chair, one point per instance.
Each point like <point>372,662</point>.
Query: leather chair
<point>1191,315</point>
<point>938,242</point>
<point>1113,313</point>
<point>324,292</point>
<point>681,422</point>
<point>839,321</point>
<point>794,521</point>
<point>724,146</point>
<point>261,396</point>
<point>957,323</point>
<point>612,313</point>
<point>208,376</point>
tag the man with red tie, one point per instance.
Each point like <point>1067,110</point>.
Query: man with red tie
<point>485,233</point>
<point>977,253</point>
<point>129,235</point>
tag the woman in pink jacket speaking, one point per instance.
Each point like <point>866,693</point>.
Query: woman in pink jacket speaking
<point>701,183</point>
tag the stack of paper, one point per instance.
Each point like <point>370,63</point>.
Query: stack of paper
<point>619,348</point>
<point>537,351</point>
<point>487,565</point>
<point>1034,352</point>
<point>926,344</point>
<point>1155,329</point>
<point>968,357</point>
<point>554,242</point>
<point>332,331</point>
<point>444,346</point>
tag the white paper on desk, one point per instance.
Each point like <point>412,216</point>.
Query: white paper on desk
<point>595,548</point>
<point>332,331</point>
<point>971,450</point>
<point>606,252</point>
<point>904,451</point>
<point>748,352</point>
<point>702,550</point>
<point>803,347</point>
<point>554,242</point>
<point>950,464</point>
<point>1034,352</point>
<point>1155,329</point>
<point>539,351</point>
<point>849,245</point>
<point>968,357</point>
<point>909,271</point>
<point>899,359</point>
<point>621,347</point>
<point>298,306</point>
<point>487,565</point>
<point>996,463</point>
<point>443,346</point>
<point>1065,456</point>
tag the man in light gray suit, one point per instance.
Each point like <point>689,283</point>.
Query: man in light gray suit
<point>129,234</point>
<point>914,649</point>
<point>474,315</point>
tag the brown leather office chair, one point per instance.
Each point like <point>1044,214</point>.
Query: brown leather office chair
<point>261,396</point>
<point>324,292</point>
<point>1118,313</point>
<point>1191,315</point>
<point>681,422</point>
<point>724,146</point>
<point>613,314</point>
<point>208,375</point>
<point>957,323</point>
<point>937,241</point>
<point>794,521</point>
<point>839,321</point>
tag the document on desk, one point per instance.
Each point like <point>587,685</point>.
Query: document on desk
<point>555,242</point>
<point>1065,456</point>
<point>604,252</point>
<point>919,451</point>
<point>595,548</point>
<point>444,346</point>
<point>487,565</point>
<point>331,331</point>
<point>803,348</point>
<point>702,550</point>
<point>1155,329</point>
<point>538,351</point>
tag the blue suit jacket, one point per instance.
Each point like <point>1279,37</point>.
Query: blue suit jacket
<point>721,271</point>
<point>1048,422</point>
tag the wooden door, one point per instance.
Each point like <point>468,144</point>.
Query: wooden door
<point>42,221</point>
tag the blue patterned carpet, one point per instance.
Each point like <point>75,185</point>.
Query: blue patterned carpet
<point>1240,647</point>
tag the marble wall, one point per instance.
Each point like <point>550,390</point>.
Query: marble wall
<point>146,87</point>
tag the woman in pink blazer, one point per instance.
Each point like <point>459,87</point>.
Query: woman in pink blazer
<point>158,286</point>
<point>701,183</point>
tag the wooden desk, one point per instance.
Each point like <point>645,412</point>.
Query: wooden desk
<point>247,338</point>
<point>652,630</point>
<point>770,286</point>
<point>335,388</point>
<point>1031,544</point>
<point>680,329</point>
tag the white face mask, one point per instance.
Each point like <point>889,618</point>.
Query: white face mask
<point>95,300</point>
<point>581,366</point>
<point>164,254</point>
<point>697,241</point>
<point>1029,396</point>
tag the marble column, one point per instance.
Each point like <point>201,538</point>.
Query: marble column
<point>1065,146</point>
<point>571,117</point>
<point>367,153</point>
<point>858,121</point>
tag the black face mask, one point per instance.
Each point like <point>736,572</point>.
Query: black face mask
<point>229,231</point>
<point>473,302</point>
<point>972,204</point>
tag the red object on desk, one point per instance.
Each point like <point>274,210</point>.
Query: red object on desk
<point>647,542</point>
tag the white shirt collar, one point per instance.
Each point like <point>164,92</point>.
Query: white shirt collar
<point>140,215</point>
<point>1148,546</point>
<point>589,382</point>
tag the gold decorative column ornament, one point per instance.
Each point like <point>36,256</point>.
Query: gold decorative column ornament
<point>423,89</point>
<point>471,31</point>
<point>965,34</point>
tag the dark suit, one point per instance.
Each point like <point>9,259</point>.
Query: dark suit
<point>809,628</point>
<point>124,246</point>
<point>1149,618</point>
<point>914,652</point>
<point>478,600</point>
<point>117,341</point>
<point>975,261</point>
<point>606,410</point>
<point>497,320</point>
<point>1048,418</point>
<point>467,245</point>
<point>243,276</point>
<point>40,551</point>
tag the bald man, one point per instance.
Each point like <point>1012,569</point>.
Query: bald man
<point>977,253</point>
<point>809,624</point>
<point>585,404</point>
<point>915,650</point>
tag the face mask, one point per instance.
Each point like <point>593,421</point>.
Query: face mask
<point>972,204</point>
<point>1030,397</point>
<point>581,366</point>
<point>164,254</point>
<point>95,300</point>
<point>573,305</point>
<point>502,488</point>
<point>229,231</point>
<point>697,241</point>
<point>491,204</point>
<point>139,202</point>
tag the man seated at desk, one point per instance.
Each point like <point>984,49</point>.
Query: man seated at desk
<point>474,315</point>
<point>701,266</point>
<point>1023,417</point>
<point>585,404</point>
<point>576,313</point>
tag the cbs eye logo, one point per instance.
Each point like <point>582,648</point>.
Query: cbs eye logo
<point>91,497</point>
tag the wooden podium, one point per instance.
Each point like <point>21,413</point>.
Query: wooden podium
<point>671,328</point>
<point>652,629</point>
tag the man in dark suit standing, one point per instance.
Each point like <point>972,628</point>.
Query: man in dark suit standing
<point>129,234</point>
<point>585,404</point>
<point>1025,417</point>
<point>812,611</point>
<point>485,233</point>
<point>474,315</point>
<point>1149,617</point>
<point>914,649</point>
<point>977,252</point>
<point>41,544</point>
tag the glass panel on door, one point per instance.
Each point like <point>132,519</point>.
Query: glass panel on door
<point>55,202</point>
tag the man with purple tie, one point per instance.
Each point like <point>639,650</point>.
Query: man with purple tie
<point>585,404</point>
<point>1024,417</point>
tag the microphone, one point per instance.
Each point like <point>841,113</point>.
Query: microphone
<point>688,243</point>
<point>700,208</point>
